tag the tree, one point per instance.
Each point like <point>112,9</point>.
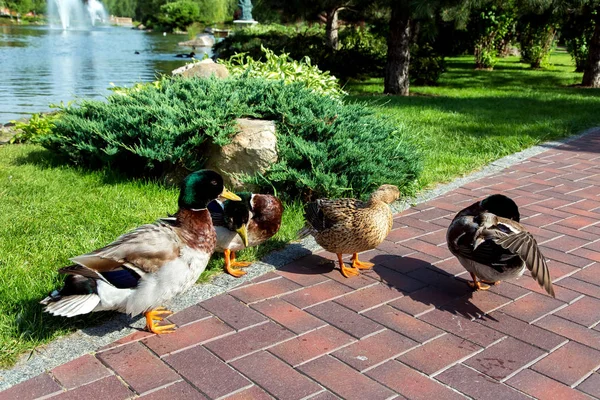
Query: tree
<point>313,9</point>
<point>398,54</point>
<point>591,74</point>
<point>404,15</point>
<point>179,15</point>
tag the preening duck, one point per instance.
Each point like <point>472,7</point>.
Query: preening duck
<point>144,268</point>
<point>246,223</point>
<point>492,245</point>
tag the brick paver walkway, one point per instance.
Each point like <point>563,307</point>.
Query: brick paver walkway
<point>411,328</point>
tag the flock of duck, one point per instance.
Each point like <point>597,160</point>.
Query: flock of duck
<point>146,267</point>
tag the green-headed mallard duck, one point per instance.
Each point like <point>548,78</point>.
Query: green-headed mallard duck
<point>493,246</point>
<point>148,266</point>
<point>350,226</point>
<point>245,223</point>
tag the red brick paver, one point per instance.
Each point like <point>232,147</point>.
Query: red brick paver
<point>409,328</point>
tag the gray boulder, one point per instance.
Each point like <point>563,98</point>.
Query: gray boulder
<point>203,40</point>
<point>253,149</point>
<point>204,69</point>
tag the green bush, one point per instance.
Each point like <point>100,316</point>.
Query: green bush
<point>179,14</point>
<point>579,48</point>
<point>326,148</point>
<point>37,126</point>
<point>362,54</point>
<point>492,29</point>
<point>426,65</point>
<point>536,38</point>
<point>576,30</point>
<point>282,67</point>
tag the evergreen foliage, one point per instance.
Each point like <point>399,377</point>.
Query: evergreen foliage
<point>325,148</point>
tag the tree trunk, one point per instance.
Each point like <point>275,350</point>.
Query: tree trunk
<point>398,53</point>
<point>331,29</point>
<point>591,75</point>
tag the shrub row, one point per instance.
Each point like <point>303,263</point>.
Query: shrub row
<point>326,148</point>
<point>362,53</point>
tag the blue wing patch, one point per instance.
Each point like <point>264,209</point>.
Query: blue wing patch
<point>122,278</point>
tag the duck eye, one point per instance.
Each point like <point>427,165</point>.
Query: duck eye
<point>214,183</point>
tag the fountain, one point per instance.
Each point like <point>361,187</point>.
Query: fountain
<point>76,14</point>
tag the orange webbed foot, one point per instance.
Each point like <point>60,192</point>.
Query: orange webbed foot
<point>347,271</point>
<point>492,283</point>
<point>157,315</point>
<point>231,263</point>
<point>360,264</point>
<point>476,284</point>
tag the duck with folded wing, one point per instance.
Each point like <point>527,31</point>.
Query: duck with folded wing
<point>350,226</point>
<point>148,266</point>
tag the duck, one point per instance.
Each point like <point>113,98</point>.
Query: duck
<point>186,55</point>
<point>246,223</point>
<point>351,226</point>
<point>146,267</point>
<point>490,243</point>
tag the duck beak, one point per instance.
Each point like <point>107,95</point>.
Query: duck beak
<point>230,195</point>
<point>243,232</point>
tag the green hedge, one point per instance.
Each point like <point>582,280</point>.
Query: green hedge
<point>325,148</point>
<point>361,55</point>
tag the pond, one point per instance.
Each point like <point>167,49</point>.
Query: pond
<point>40,65</point>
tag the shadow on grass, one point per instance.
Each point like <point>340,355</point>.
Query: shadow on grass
<point>502,117</point>
<point>46,159</point>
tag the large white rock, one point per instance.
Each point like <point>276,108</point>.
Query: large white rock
<point>253,149</point>
<point>204,69</point>
<point>203,40</point>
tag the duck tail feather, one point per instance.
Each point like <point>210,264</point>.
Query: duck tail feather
<point>70,306</point>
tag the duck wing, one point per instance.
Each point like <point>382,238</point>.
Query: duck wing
<point>216,213</point>
<point>524,245</point>
<point>144,250</point>
<point>325,213</point>
<point>469,239</point>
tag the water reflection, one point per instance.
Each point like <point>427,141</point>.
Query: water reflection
<point>41,66</point>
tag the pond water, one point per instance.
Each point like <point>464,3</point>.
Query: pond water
<point>40,65</point>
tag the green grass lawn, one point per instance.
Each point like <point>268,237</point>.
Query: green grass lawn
<point>475,117</point>
<point>51,212</point>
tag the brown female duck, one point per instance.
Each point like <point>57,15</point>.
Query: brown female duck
<point>350,226</point>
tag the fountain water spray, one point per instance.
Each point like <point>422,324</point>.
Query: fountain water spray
<point>77,14</point>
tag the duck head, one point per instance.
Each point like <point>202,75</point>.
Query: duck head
<point>386,193</point>
<point>236,215</point>
<point>501,206</point>
<point>200,188</point>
